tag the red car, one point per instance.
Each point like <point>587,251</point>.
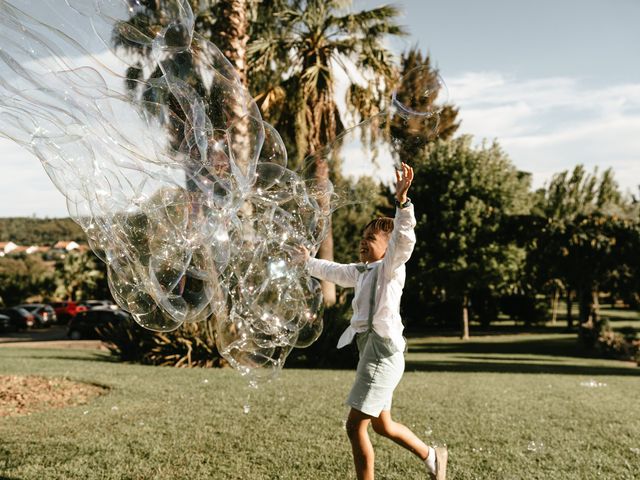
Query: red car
<point>67,310</point>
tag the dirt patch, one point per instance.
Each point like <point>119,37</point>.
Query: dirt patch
<point>25,395</point>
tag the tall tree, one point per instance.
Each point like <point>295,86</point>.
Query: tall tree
<point>295,49</point>
<point>582,212</point>
<point>581,193</point>
<point>301,54</point>
<point>464,194</point>
<point>421,91</point>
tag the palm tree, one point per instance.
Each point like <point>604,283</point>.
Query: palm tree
<point>223,22</point>
<point>295,62</point>
<point>295,48</point>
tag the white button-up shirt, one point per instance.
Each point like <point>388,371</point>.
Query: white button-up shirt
<point>391,277</point>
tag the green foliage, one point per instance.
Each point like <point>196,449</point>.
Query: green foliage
<point>295,52</point>
<point>623,345</point>
<point>81,276</point>
<point>24,277</point>
<point>191,345</point>
<point>588,239</point>
<point>579,238</point>
<point>38,231</point>
<point>581,193</point>
<point>127,341</point>
<point>463,195</point>
<point>413,133</point>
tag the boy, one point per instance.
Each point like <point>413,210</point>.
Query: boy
<point>376,324</point>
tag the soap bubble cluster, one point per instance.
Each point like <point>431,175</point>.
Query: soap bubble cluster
<point>181,187</point>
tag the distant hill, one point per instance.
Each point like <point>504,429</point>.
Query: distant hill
<point>39,231</point>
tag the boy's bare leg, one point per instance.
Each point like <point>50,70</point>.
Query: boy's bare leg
<point>385,426</point>
<point>363,457</point>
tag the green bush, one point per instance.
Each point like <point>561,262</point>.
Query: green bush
<point>622,345</point>
<point>126,340</point>
<point>192,345</point>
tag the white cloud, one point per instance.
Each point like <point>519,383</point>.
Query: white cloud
<point>551,124</point>
<point>25,188</point>
<point>546,125</point>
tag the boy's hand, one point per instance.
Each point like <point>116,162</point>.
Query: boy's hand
<point>404,177</point>
<point>300,254</point>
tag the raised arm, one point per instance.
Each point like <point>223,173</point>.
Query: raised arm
<point>402,241</point>
<point>403,238</point>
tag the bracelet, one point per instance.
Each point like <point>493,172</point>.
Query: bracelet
<point>403,205</point>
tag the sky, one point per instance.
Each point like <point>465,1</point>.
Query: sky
<point>555,83</point>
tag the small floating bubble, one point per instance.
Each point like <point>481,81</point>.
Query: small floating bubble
<point>535,447</point>
<point>593,384</point>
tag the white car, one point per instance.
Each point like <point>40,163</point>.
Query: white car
<point>90,304</point>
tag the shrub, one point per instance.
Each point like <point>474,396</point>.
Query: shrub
<point>622,345</point>
<point>126,340</point>
<point>192,345</point>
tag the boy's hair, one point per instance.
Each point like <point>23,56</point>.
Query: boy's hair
<point>381,224</point>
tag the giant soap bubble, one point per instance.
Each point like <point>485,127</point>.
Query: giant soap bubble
<point>182,189</point>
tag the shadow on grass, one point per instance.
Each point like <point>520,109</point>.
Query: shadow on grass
<point>494,331</point>
<point>557,347</point>
<point>509,359</point>
<point>40,354</point>
<point>512,357</point>
<point>495,367</point>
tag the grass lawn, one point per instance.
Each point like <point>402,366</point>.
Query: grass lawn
<point>508,407</point>
<point>621,318</point>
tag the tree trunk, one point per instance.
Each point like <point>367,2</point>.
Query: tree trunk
<point>584,304</point>
<point>325,251</point>
<point>321,118</point>
<point>465,318</point>
<point>554,305</point>
<point>569,310</point>
<point>589,316</point>
<point>594,307</point>
<point>233,39</point>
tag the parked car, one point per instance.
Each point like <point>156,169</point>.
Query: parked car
<point>44,314</point>
<point>21,319</point>
<point>84,324</point>
<point>67,309</point>
<point>99,304</point>
<point>5,324</point>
